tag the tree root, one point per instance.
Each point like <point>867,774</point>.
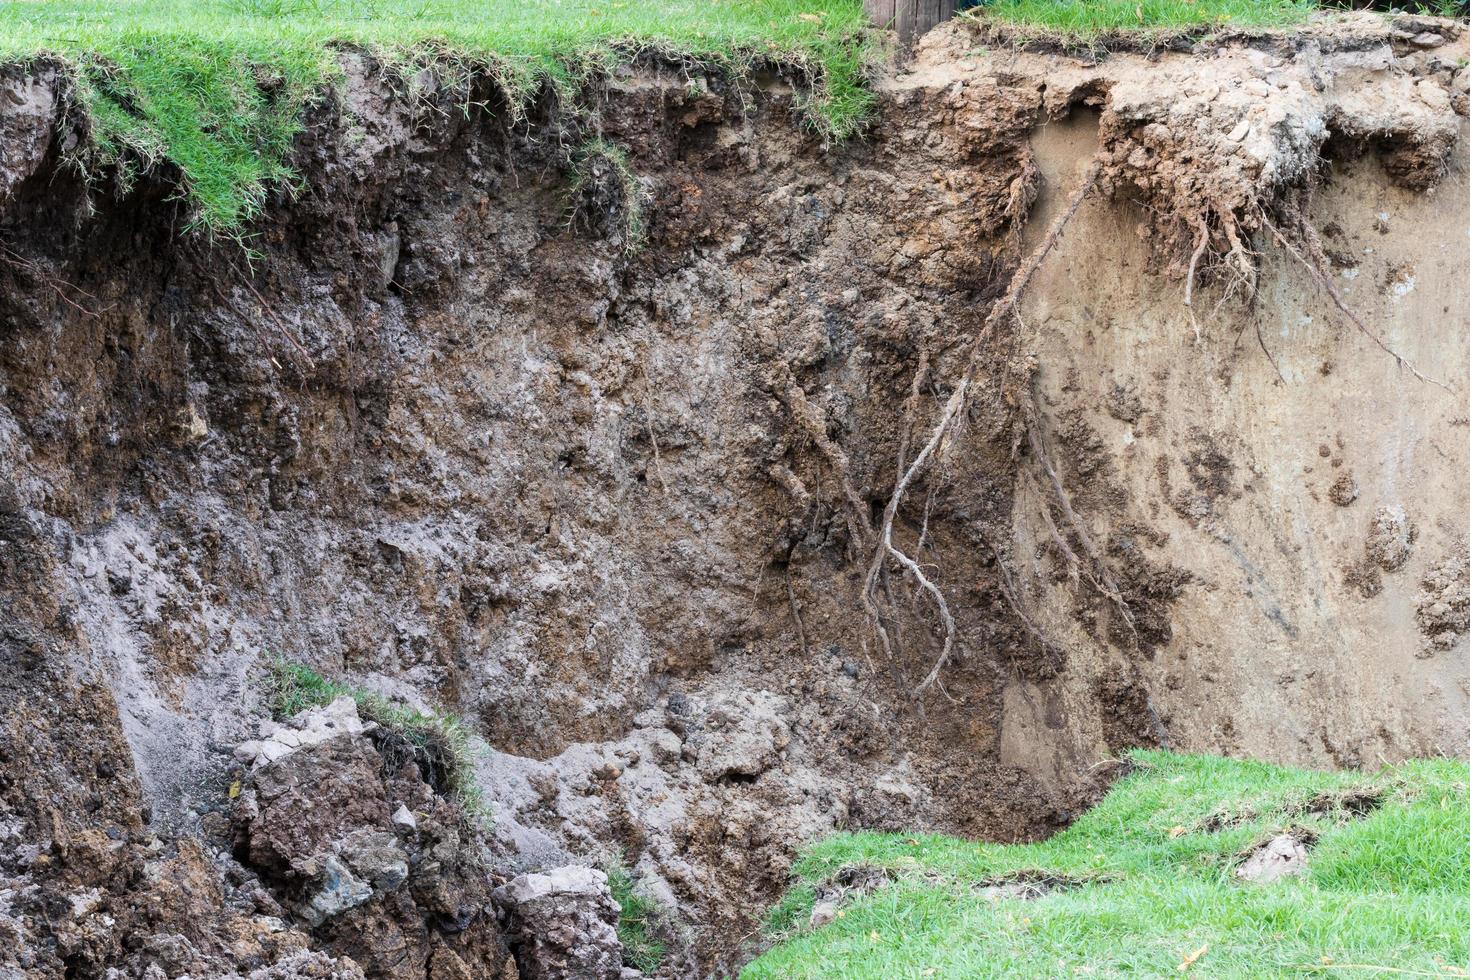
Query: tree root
<point>1094,567</point>
<point>1012,596</point>
<point>814,424</point>
<point>60,287</point>
<point>1316,263</point>
<point>1098,574</point>
<point>860,525</point>
<point>1261,340</point>
<point>795,610</point>
<point>229,304</point>
<point>1201,243</point>
<point>953,409</point>
<point>1219,239</point>
<point>658,463</point>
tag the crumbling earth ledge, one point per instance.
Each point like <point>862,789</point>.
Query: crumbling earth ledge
<point>609,505</point>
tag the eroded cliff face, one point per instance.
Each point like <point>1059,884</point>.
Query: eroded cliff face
<point>449,436</point>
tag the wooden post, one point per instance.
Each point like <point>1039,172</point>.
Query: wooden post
<point>911,18</point>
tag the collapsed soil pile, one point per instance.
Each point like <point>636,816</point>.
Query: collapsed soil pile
<point>1139,341</point>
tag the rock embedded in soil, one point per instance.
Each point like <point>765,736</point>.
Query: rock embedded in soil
<point>1283,856</point>
<point>563,925</point>
<point>318,826</point>
<point>310,727</point>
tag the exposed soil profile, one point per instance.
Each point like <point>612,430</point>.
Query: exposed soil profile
<point>1162,352</point>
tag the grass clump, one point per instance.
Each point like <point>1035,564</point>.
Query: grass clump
<point>642,949</point>
<point>441,745</point>
<point>607,195</point>
<point>217,88</point>
<point>1146,880</point>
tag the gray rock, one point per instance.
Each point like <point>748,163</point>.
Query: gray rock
<point>376,857</point>
<point>338,890</point>
<point>563,925</point>
<point>404,819</point>
<point>1281,857</point>
<point>822,913</point>
<point>310,727</point>
<point>308,965</point>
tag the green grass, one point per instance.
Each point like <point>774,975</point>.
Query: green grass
<point>1082,21</point>
<point>441,745</point>
<point>603,184</point>
<point>1084,18</point>
<point>217,87</point>
<point>642,949</point>
<point>1152,881</point>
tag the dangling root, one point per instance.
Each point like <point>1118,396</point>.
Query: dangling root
<point>809,417</point>
<point>1261,340</point>
<point>860,525</point>
<point>1243,257</point>
<point>954,407</point>
<point>60,287</point>
<point>876,568</point>
<point>1316,263</point>
<point>795,609</point>
<point>1098,574</point>
<point>1201,242</point>
<point>1209,225</point>
<point>1239,257</point>
<point>1011,594</point>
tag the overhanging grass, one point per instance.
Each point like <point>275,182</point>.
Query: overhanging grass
<point>440,745</point>
<point>217,87</point>
<point>1152,867</point>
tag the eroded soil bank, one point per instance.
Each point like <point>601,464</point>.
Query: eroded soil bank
<point>449,436</point>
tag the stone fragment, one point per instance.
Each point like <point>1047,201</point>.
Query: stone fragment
<point>336,890</point>
<point>746,734</point>
<point>1281,857</point>
<point>310,727</point>
<point>562,925</point>
<point>376,857</point>
<point>822,913</point>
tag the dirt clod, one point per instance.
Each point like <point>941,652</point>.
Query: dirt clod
<point>1344,490</point>
<point>1443,604</point>
<point>1391,537</point>
<point>1283,856</point>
